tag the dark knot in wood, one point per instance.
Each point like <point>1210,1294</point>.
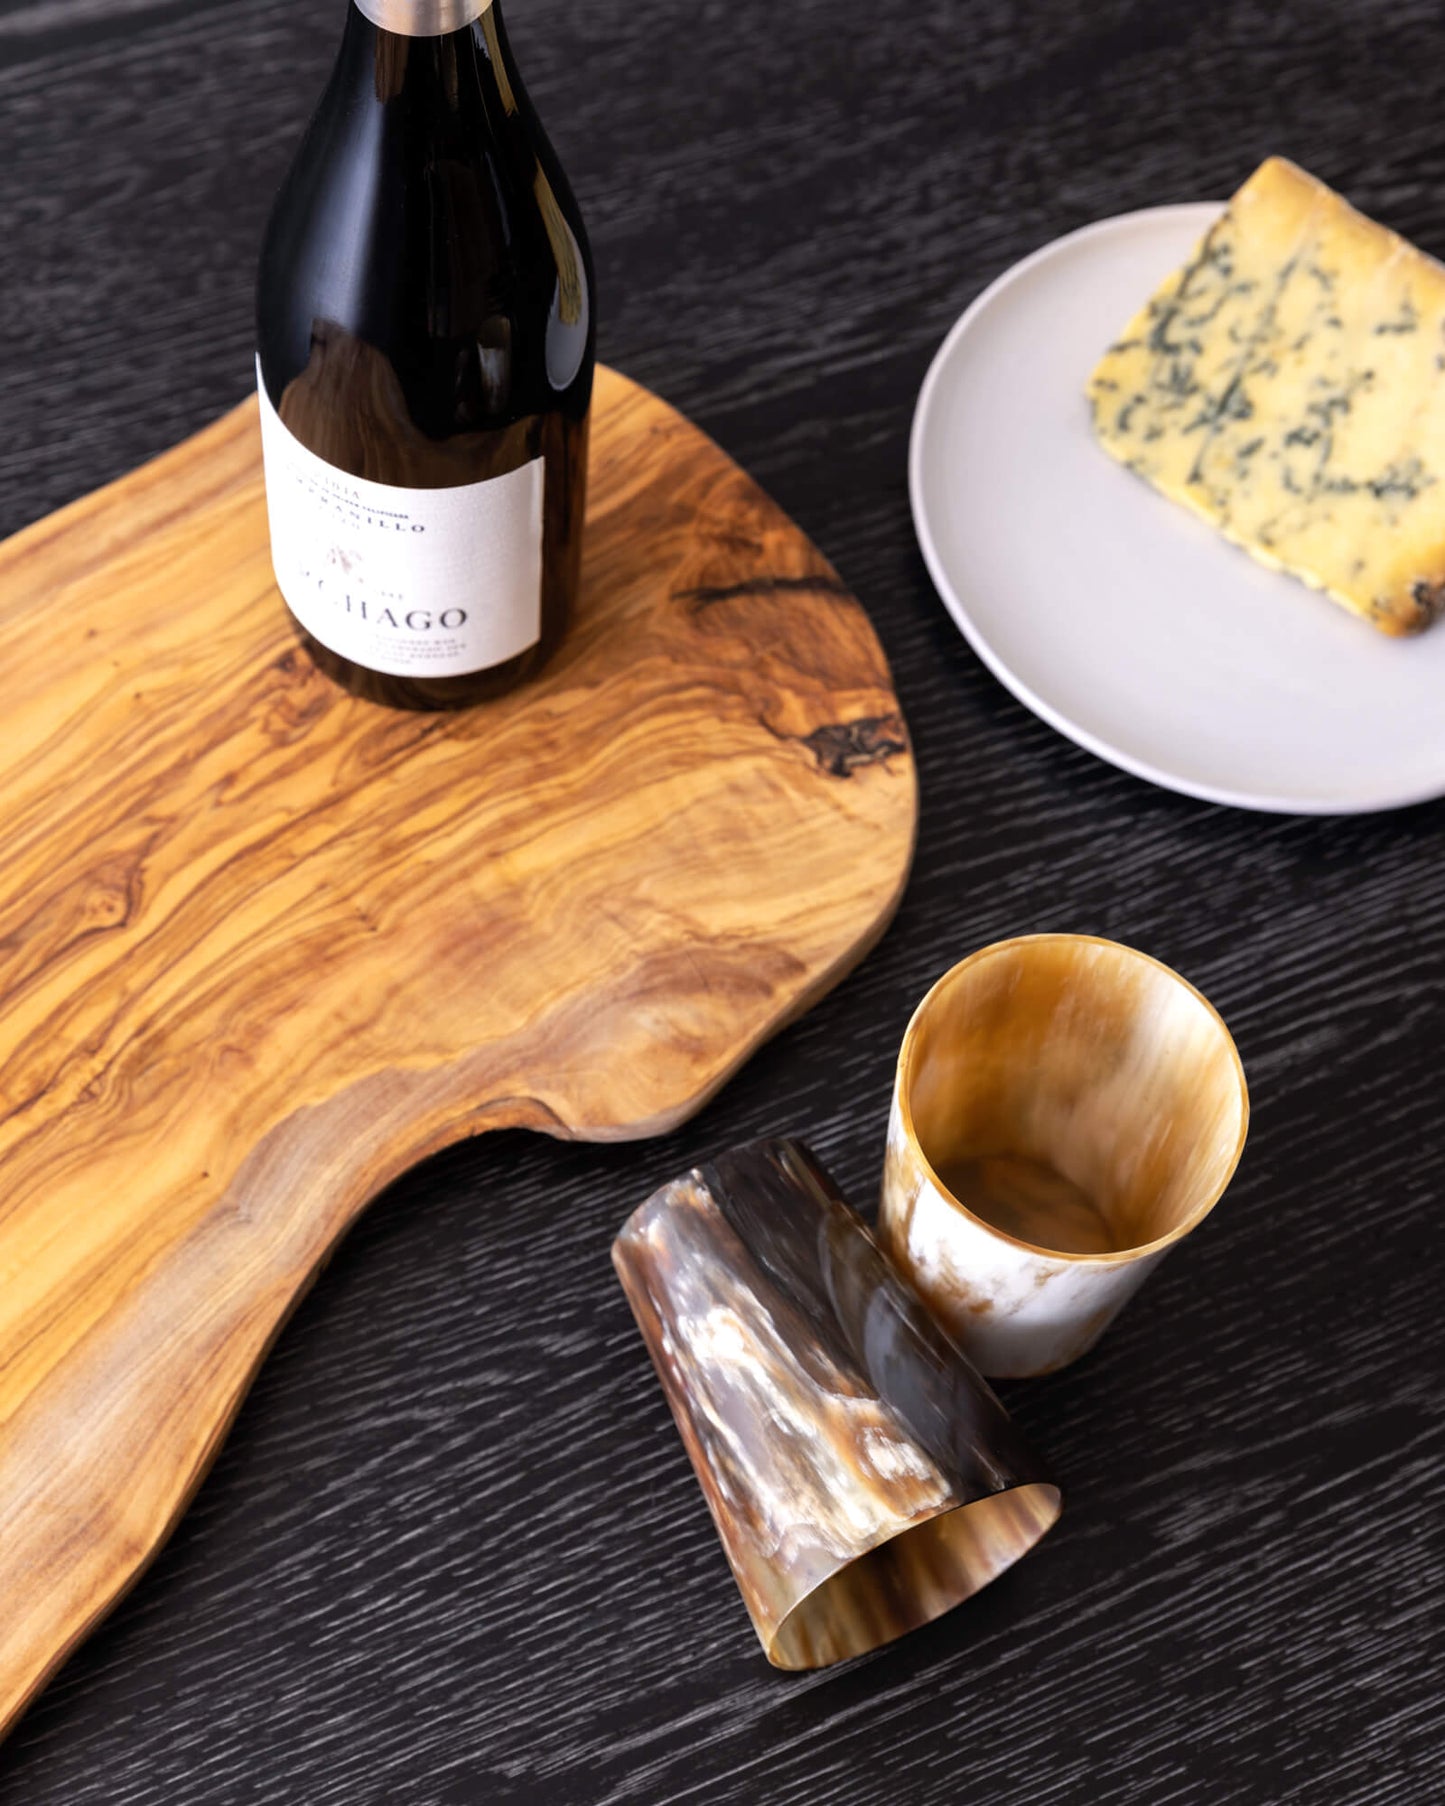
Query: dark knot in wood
<point>842,746</point>
<point>699,599</point>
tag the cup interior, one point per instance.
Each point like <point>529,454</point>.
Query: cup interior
<point>914,1577</point>
<point>1074,1094</point>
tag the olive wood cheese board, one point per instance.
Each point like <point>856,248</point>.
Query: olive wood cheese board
<point>263,946</point>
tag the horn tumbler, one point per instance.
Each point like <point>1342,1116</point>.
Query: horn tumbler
<point>1066,1110</point>
<point>862,1476</point>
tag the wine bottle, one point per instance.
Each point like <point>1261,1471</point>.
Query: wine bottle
<point>425,354</point>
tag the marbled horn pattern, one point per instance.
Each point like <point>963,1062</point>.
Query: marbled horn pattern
<point>1018,1311</point>
<point>1099,1068</point>
<point>862,1477</point>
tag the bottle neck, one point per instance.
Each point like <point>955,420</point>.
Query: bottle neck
<point>422,18</point>
<point>387,50</point>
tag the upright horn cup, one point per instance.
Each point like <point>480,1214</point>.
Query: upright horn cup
<point>1066,1110</point>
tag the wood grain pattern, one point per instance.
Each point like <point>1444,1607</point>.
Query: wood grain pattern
<point>452,1552</point>
<point>262,946</point>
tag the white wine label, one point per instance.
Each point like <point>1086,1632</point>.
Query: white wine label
<point>410,582</point>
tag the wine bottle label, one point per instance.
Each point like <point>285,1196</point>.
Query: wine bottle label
<point>410,582</point>
<point>422,18</point>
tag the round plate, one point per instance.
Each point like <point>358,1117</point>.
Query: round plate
<point>1113,613</point>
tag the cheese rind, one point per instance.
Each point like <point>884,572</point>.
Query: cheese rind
<point>1288,384</point>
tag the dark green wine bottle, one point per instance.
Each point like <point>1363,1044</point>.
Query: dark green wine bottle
<point>425,354</point>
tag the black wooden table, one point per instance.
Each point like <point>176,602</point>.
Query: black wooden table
<point>452,1551</point>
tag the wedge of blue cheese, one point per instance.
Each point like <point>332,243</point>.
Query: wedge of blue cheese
<point>1288,384</point>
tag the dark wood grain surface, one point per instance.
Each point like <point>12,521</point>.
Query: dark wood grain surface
<point>453,1551</point>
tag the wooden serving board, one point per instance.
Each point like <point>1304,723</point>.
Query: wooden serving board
<point>263,946</point>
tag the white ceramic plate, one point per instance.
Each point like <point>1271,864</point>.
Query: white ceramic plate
<point>1114,614</point>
